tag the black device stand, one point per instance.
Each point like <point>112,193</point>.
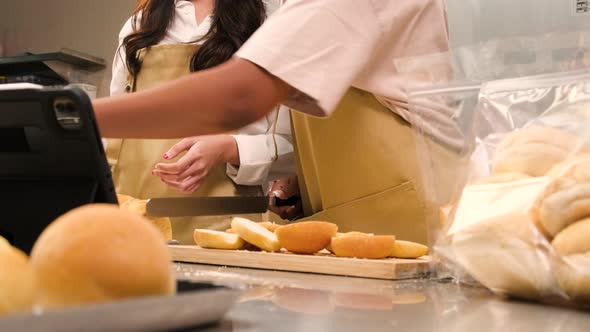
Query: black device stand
<point>51,160</point>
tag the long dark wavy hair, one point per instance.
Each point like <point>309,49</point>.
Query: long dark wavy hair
<point>234,21</point>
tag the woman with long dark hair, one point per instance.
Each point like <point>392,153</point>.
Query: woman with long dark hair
<point>167,39</point>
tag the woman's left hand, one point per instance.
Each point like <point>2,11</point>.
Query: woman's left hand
<point>203,154</point>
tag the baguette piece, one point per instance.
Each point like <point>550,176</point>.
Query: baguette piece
<point>407,249</point>
<point>210,239</point>
<point>306,237</point>
<point>17,286</point>
<point>255,234</point>
<point>329,246</point>
<point>363,246</point>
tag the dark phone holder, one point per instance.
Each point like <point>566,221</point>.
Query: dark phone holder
<point>51,160</point>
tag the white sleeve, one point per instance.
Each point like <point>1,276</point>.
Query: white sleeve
<point>258,151</point>
<point>120,73</point>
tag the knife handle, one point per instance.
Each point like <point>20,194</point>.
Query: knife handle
<point>286,202</point>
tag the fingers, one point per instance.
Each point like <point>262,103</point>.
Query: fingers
<point>179,147</point>
<point>189,185</point>
<point>177,167</point>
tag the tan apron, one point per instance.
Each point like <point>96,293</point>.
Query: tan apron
<point>359,169</point>
<point>132,160</point>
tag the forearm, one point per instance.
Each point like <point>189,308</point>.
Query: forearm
<point>213,101</point>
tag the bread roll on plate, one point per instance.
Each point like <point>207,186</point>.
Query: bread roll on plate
<point>573,273</point>
<point>97,253</point>
<point>565,199</point>
<point>17,286</point>
<point>505,253</point>
<point>255,234</point>
<point>306,237</point>
<point>138,206</point>
<point>535,150</point>
<point>363,246</point>
<point>210,239</point>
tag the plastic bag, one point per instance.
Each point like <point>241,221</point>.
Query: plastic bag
<point>516,218</point>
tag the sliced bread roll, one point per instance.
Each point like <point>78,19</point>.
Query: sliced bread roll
<point>363,246</point>
<point>138,206</point>
<point>209,239</point>
<point>535,150</point>
<point>407,249</point>
<point>255,234</point>
<point>306,237</point>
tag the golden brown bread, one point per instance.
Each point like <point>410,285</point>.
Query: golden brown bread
<point>574,239</point>
<point>255,234</point>
<point>98,253</point>
<point>122,199</point>
<point>210,239</point>
<point>565,199</point>
<point>329,246</point>
<point>407,249</point>
<point>138,206</point>
<point>535,150</point>
<point>363,246</point>
<point>17,286</point>
<point>306,237</point>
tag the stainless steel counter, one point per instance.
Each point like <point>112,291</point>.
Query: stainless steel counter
<point>285,302</point>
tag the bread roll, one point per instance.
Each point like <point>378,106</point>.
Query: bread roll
<point>575,239</point>
<point>534,151</point>
<point>17,286</point>
<point>503,254</point>
<point>122,199</point>
<point>163,224</point>
<point>206,238</point>
<point>566,198</point>
<point>573,274</point>
<point>98,253</point>
<point>329,246</point>
<point>306,237</point>
<point>271,226</point>
<point>573,271</point>
<point>503,177</point>
<point>363,246</point>
<point>406,249</point>
<point>255,234</point>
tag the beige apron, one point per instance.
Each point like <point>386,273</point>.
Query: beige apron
<point>359,169</point>
<point>132,160</point>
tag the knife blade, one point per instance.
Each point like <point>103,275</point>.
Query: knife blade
<point>212,206</point>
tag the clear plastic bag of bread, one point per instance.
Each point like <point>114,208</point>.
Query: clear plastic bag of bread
<point>517,220</point>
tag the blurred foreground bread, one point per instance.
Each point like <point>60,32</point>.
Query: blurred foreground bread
<point>504,253</point>
<point>566,198</point>
<point>210,239</point>
<point>255,234</point>
<point>17,287</point>
<point>573,272</point>
<point>363,246</point>
<point>138,206</point>
<point>406,249</point>
<point>98,253</point>
<point>534,151</point>
<point>306,237</point>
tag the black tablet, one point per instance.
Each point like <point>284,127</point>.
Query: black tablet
<point>51,159</point>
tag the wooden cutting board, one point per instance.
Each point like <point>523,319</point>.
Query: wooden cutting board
<point>391,268</point>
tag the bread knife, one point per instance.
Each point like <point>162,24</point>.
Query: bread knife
<point>212,206</point>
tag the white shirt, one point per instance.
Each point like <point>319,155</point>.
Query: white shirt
<point>256,143</point>
<point>324,47</point>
